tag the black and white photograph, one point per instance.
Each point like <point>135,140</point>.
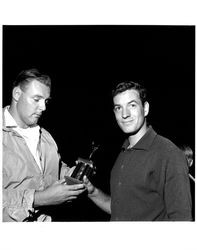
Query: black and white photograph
<point>98,127</point>
<point>84,64</point>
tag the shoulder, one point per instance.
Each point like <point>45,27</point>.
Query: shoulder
<point>47,136</point>
<point>45,132</point>
<point>165,143</point>
<point>168,149</point>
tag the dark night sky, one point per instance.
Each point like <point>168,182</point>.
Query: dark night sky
<point>84,63</point>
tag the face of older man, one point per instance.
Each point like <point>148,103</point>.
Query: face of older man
<point>31,103</point>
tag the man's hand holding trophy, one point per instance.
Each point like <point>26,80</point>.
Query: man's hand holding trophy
<point>84,167</point>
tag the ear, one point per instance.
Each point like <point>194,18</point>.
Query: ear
<point>146,108</point>
<point>16,93</point>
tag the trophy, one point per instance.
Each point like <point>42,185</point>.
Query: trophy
<point>83,167</point>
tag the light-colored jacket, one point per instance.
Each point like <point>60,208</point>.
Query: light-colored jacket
<point>21,174</point>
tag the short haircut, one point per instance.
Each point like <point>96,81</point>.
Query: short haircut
<point>187,151</point>
<point>127,85</point>
<point>27,76</point>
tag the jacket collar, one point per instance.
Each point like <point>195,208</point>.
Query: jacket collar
<point>8,122</point>
<point>8,119</point>
<point>4,125</point>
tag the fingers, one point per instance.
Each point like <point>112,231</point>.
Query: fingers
<point>72,198</point>
<point>85,179</point>
<point>71,187</point>
<point>74,194</point>
<point>78,191</point>
<point>76,187</point>
<point>74,190</point>
<point>69,192</point>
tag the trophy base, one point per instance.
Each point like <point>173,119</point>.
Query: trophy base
<point>72,181</point>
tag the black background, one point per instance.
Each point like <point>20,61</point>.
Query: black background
<point>84,63</point>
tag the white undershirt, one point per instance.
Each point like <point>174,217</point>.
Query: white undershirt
<point>30,134</point>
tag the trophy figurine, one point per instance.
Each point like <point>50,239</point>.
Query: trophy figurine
<point>83,167</point>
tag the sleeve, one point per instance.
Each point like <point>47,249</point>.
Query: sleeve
<point>177,187</point>
<point>64,170</point>
<point>63,167</point>
<point>17,204</point>
<point>17,200</point>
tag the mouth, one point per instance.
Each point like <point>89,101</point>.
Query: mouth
<point>127,122</point>
<point>37,115</point>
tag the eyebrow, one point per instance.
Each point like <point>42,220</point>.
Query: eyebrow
<point>40,96</point>
<point>132,101</point>
<point>127,103</point>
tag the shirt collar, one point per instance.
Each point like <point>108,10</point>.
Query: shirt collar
<point>8,119</point>
<point>144,143</point>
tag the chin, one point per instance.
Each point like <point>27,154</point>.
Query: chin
<point>32,124</point>
<point>130,132</point>
<point>127,130</point>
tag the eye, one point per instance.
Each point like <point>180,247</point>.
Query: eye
<point>36,99</point>
<point>117,108</point>
<point>132,105</point>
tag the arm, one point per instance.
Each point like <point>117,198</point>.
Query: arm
<point>20,198</point>
<point>177,188</point>
<point>17,203</point>
<point>17,198</point>
<point>101,199</point>
<point>21,185</point>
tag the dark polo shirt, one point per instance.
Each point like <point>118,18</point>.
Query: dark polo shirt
<point>149,182</point>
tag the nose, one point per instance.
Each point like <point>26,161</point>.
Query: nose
<point>125,113</point>
<point>42,105</point>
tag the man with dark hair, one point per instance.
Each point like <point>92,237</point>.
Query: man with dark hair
<point>188,152</point>
<point>32,169</point>
<point>149,181</point>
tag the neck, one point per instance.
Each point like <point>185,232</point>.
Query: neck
<point>134,138</point>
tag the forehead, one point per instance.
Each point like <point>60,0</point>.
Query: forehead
<point>126,96</point>
<point>37,88</point>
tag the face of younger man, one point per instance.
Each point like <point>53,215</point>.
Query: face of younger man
<point>129,112</point>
